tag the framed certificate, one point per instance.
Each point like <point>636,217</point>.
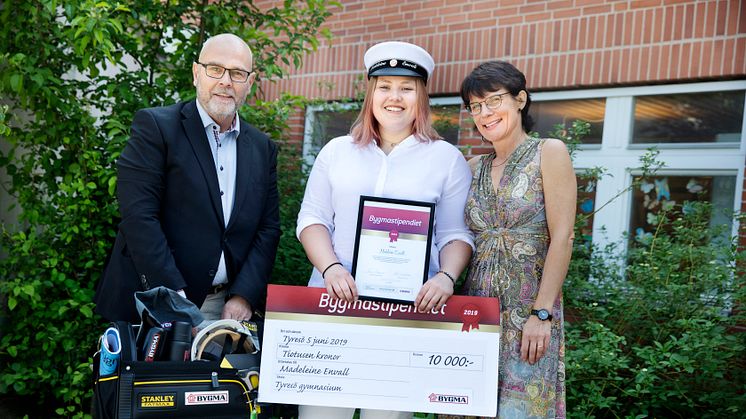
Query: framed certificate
<point>392,248</point>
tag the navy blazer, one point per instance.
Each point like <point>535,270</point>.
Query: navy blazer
<point>172,230</point>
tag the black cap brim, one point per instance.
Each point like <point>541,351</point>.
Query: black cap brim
<point>397,67</point>
<point>393,71</point>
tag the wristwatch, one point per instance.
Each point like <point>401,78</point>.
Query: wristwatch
<point>542,314</point>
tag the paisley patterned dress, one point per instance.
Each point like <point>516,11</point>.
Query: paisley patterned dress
<point>512,239</point>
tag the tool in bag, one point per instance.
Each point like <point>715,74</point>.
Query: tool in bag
<point>155,379</point>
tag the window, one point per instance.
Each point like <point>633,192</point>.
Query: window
<point>548,114</point>
<point>324,124</point>
<point>446,121</point>
<point>335,119</point>
<point>708,117</point>
<point>697,128</point>
<point>665,192</point>
<point>705,120</point>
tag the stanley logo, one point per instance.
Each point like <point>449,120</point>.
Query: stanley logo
<point>157,400</point>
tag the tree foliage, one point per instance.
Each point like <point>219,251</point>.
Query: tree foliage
<point>72,74</point>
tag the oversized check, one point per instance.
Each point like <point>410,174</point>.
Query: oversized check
<point>380,355</point>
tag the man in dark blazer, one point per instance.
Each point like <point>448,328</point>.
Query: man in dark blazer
<point>197,191</point>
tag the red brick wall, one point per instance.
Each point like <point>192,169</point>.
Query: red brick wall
<point>561,44</point>
<point>297,124</point>
<point>558,44</point>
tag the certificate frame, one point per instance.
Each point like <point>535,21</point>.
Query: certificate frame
<point>416,228</point>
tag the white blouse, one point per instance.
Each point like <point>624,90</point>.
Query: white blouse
<point>433,171</point>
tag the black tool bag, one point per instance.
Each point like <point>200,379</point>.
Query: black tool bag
<point>161,389</point>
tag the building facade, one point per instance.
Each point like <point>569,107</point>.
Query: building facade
<point>664,73</point>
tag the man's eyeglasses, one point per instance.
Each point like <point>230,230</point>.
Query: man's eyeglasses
<point>493,102</point>
<point>216,72</point>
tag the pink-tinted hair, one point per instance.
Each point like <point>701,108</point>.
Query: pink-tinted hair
<point>365,129</point>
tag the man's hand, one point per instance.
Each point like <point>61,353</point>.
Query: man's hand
<point>237,308</point>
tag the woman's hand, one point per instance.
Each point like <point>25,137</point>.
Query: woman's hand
<point>434,293</point>
<point>340,284</point>
<point>535,339</point>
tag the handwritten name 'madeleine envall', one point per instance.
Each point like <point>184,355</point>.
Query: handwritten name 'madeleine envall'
<point>305,369</point>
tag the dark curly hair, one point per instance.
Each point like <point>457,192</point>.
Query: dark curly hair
<point>490,77</point>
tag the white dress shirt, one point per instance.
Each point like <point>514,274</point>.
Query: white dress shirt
<point>223,148</point>
<point>432,171</point>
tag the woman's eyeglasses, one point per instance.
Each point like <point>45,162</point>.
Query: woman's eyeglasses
<point>493,102</point>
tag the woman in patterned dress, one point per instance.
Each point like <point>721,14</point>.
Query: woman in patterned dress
<point>521,207</point>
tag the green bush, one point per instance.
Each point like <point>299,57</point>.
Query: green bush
<point>654,330</point>
<point>651,330</point>
<point>70,104</point>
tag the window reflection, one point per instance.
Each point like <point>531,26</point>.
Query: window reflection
<point>547,114</point>
<point>586,205</point>
<point>710,117</point>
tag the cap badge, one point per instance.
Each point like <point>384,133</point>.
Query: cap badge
<point>393,63</point>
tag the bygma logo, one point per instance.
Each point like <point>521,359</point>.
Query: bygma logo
<point>153,346</point>
<point>205,397</point>
<point>448,398</point>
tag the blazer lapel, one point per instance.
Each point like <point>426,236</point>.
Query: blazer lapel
<point>192,124</point>
<point>244,156</point>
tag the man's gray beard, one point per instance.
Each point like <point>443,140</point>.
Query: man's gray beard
<point>220,112</point>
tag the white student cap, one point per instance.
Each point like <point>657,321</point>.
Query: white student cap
<point>398,59</point>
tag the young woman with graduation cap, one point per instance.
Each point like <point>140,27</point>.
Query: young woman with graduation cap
<point>392,151</point>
